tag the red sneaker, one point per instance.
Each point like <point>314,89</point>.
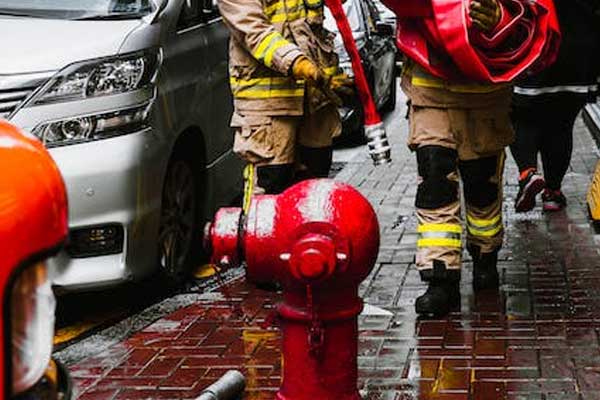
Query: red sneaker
<point>529,186</point>
<point>553,200</point>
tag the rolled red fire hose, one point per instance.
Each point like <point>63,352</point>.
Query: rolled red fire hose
<point>526,39</point>
<point>379,147</point>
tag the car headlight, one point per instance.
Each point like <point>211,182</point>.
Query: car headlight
<point>32,309</point>
<point>101,78</point>
<point>90,128</point>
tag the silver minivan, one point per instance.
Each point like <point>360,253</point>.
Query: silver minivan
<point>132,99</point>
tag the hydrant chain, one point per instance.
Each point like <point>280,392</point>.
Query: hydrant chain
<point>316,333</point>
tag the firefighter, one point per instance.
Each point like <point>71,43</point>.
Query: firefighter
<point>458,128</point>
<point>283,76</point>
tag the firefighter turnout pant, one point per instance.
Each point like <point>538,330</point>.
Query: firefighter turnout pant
<point>455,145</point>
<point>281,150</point>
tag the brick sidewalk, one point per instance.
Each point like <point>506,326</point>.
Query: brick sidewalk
<point>535,338</point>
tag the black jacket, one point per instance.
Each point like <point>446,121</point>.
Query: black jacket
<point>577,67</point>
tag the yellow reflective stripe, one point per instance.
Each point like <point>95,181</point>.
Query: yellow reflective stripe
<point>262,88</point>
<point>451,228</point>
<point>331,71</point>
<point>314,13</point>
<point>484,227</point>
<point>265,81</point>
<point>268,46</point>
<point>439,84</point>
<point>248,187</point>
<point>280,5</point>
<point>439,242</point>
<point>288,17</point>
<point>486,233</point>
<point>483,223</point>
<point>271,51</point>
<point>285,12</point>
<point>266,94</point>
<point>262,46</point>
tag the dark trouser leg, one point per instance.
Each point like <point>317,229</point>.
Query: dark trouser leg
<point>527,123</point>
<point>482,183</point>
<point>274,179</point>
<point>557,146</point>
<point>439,243</point>
<point>315,162</point>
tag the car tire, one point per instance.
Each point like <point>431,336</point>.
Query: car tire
<point>390,103</point>
<point>181,217</point>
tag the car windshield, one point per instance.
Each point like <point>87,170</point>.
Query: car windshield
<point>77,9</point>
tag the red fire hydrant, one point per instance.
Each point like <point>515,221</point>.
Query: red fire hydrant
<point>319,239</point>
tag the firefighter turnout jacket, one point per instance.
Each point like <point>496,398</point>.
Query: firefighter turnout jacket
<point>267,36</point>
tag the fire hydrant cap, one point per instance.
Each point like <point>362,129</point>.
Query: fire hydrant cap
<point>313,257</point>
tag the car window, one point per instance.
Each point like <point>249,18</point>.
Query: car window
<point>195,12</point>
<point>191,14</point>
<point>77,9</point>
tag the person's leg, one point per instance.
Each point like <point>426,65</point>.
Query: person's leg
<point>527,122</point>
<point>268,146</point>
<point>315,138</point>
<point>482,184</point>
<point>439,244</point>
<point>557,149</point>
<point>557,146</point>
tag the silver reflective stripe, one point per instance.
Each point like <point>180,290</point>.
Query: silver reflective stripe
<point>582,89</point>
<point>438,235</point>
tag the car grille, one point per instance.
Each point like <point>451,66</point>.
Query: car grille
<point>15,89</point>
<point>11,99</point>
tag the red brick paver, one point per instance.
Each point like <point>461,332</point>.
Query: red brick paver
<point>535,338</point>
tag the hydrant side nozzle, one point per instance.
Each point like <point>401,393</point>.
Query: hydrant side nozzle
<point>222,237</point>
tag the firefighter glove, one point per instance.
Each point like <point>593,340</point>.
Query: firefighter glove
<point>303,68</point>
<point>342,84</point>
<point>485,14</point>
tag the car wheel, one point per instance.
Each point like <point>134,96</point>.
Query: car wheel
<point>179,221</point>
<point>390,103</point>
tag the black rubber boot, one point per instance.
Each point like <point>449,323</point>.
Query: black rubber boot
<point>442,295</point>
<point>317,162</point>
<point>274,179</point>
<point>485,271</point>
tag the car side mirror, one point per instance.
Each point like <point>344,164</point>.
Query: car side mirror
<point>384,29</point>
<point>160,7</point>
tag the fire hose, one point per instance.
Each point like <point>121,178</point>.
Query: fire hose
<point>379,148</point>
<point>525,40</point>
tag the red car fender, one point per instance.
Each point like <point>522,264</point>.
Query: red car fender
<point>439,38</point>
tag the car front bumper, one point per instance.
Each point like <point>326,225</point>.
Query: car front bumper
<point>115,182</point>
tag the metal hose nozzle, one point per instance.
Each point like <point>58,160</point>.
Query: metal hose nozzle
<point>379,147</point>
<point>229,387</point>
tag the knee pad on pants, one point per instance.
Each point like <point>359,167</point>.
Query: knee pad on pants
<point>476,175</point>
<point>317,161</point>
<point>274,179</point>
<point>435,164</point>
